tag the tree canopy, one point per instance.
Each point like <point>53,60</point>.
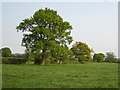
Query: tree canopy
<point>98,57</point>
<point>45,32</point>
<point>81,51</point>
<point>6,52</point>
<point>110,56</point>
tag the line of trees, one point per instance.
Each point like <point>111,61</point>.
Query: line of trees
<point>80,52</point>
<point>46,36</point>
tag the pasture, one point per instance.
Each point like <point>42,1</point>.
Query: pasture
<point>91,75</point>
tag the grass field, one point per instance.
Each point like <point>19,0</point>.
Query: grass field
<point>92,75</point>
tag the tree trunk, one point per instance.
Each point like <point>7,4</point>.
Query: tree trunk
<point>81,61</point>
<point>60,62</point>
<point>42,60</point>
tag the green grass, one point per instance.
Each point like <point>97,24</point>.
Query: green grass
<point>92,75</point>
<point>0,76</point>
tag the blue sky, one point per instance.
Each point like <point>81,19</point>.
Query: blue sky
<point>94,23</point>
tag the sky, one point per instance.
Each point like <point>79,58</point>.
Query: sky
<point>94,23</point>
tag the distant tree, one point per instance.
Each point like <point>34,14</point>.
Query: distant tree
<point>98,57</point>
<point>6,52</point>
<point>18,55</point>
<point>46,32</point>
<point>110,57</point>
<point>81,51</point>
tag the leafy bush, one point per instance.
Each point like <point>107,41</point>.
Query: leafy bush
<point>12,60</point>
<point>5,60</point>
<point>116,60</point>
<point>30,62</point>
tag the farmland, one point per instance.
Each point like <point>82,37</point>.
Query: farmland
<point>91,75</point>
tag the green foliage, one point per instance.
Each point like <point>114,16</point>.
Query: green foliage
<point>92,75</point>
<point>6,52</point>
<point>53,61</point>
<point>12,60</point>
<point>81,51</point>
<point>5,60</point>
<point>61,53</point>
<point>98,57</point>
<point>118,60</point>
<point>18,55</point>
<point>46,31</point>
<point>110,57</point>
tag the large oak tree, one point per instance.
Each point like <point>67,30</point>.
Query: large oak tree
<point>45,33</point>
